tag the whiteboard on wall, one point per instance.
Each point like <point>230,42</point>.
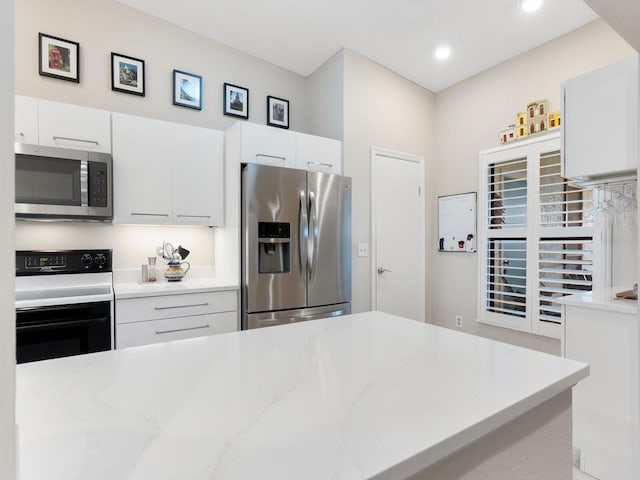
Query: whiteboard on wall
<point>457,223</point>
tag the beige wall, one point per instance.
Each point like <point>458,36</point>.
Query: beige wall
<point>469,117</point>
<point>381,109</point>
<point>7,312</point>
<point>105,26</point>
<point>325,98</point>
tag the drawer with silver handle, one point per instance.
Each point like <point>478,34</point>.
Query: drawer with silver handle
<point>168,329</point>
<point>141,309</point>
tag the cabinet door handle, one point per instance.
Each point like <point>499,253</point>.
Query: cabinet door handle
<point>160,332</point>
<point>150,214</point>
<point>21,134</point>
<point>76,140</point>
<point>183,306</point>
<point>282,159</point>
<point>195,216</point>
<point>320,164</point>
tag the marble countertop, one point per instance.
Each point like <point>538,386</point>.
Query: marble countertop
<point>602,300</point>
<point>127,284</point>
<point>364,396</point>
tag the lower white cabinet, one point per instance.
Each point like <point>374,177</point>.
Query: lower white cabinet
<point>146,320</point>
<point>606,405</point>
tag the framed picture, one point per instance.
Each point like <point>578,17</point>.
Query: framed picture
<point>127,74</point>
<point>457,223</point>
<point>277,112</point>
<point>58,58</point>
<point>187,90</point>
<point>236,101</point>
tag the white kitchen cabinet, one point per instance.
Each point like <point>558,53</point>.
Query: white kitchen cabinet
<point>166,173</point>
<point>606,428</point>
<point>262,144</point>
<point>600,129</point>
<point>146,320</point>
<point>198,183</point>
<point>142,162</point>
<point>74,126</point>
<point>318,153</point>
<point>26,120</point>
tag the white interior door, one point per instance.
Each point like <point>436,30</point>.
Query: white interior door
<point>398,233</point>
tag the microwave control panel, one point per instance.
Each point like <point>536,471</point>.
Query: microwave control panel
<point>98,190</point>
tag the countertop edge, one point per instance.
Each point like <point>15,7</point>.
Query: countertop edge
<point>134,290</point>
<point>601,300</point>
<point>425,459</point>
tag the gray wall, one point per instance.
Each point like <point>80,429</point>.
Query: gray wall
<point>470,115</point>
<point>7,312</point>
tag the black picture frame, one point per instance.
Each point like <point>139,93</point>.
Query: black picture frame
<point>277,112</point>
<point>58,58</point>
<point>127,74</point>
<point>187,90</point>
<point>235,101</point>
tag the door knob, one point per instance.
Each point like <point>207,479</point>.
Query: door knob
<point>381,270</point>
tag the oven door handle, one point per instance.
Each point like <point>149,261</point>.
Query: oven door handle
<point>61,323</point>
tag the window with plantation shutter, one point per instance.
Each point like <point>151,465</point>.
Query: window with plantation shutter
<point>536,241</point>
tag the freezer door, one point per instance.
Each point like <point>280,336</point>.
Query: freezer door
<point>329,246</point>
<point>274,238</point>
<point>269,319</point>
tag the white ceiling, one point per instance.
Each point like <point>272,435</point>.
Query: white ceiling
<point>300,35</point>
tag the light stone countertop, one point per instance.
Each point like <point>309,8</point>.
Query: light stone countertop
<point>364,396</point>
<point>127,283</point>
<point>602,300</point>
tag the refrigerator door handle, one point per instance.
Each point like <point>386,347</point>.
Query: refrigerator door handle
<point>313,233</point>
<point>303,232</point>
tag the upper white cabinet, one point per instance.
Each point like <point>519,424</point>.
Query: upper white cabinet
<point>252,143</point>
<point>43,122</point>
<point>142,187</point>
<point>198,192</point>
<point>26,120</point>
<point>166,173</point>
<point>600,132</point>
<point>73,126</point>
<point>318,153</point>
<point>261,144</point>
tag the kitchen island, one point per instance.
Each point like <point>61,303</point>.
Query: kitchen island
<point>363,396</point>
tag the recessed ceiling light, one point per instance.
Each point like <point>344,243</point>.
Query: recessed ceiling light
<point>443,52</point>
<point>530,5</point>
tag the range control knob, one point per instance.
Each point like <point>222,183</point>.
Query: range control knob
<point>86,260</point>
<point>100,260</point>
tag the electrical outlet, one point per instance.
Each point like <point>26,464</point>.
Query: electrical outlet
<point>459,321</point>
<point>363,250</point>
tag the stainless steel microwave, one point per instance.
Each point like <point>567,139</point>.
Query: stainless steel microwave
<point>63,184</point>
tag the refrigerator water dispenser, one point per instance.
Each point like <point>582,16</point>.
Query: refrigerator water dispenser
<point>274,244</point>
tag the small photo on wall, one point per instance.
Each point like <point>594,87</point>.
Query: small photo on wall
<point>127,74</point>
<point>187,90</point>
<point>58,58</point>
<point>277,112</point>
<point>236,101</point>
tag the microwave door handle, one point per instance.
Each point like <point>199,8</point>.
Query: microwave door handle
<point>303,231</point>
<point>84,183</point>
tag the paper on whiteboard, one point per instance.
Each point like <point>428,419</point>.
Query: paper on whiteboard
<point>457,223</point>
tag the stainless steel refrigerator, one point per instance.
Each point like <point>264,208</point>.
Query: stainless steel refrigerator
<point>296,245</point>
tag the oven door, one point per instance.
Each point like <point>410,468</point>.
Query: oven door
<point>62,330</point>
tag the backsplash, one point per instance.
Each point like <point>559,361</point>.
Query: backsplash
<point>131,244</point>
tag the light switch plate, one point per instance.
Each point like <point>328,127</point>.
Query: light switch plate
<point>363,250</point>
